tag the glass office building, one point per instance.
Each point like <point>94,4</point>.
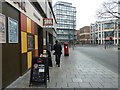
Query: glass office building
<point>65,15</point>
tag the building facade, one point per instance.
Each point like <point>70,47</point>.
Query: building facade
<point>104,31</point>
<point>77,37</point>
<point>84,35</point>
<point>25,29</point>
<point>65,15</point>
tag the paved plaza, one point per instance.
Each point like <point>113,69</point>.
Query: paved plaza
<point>76,71</point>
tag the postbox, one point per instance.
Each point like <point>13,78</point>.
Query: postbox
<point>66,49</point>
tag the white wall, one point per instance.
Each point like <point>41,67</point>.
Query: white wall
<point>29,11</point>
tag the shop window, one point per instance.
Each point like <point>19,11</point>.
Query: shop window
<point>30,41</point>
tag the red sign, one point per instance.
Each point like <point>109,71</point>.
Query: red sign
<point>47,22</point>
<point>108,38</point>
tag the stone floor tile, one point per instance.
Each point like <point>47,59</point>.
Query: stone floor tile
<point>61,85</point>
<point>73,85</point>
<point>85,85</point>
<point>77,80</point>
<point>75,69</point>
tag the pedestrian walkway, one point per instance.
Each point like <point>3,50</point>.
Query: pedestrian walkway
<point>110,47</point>
<point>76,71</point>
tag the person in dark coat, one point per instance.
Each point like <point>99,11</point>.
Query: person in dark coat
<point>58,52</point>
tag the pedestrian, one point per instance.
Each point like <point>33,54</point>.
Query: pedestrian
<point>58,51</point>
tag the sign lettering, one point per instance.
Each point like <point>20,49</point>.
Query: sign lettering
<point>47,22</point>
<point>21,4</point>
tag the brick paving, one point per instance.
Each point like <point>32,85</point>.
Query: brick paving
<point>76,71</point>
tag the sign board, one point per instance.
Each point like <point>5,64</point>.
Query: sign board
<point>39,71</point>
<point>2,29</point>
<point>47,22</point>
<point>12,30</point>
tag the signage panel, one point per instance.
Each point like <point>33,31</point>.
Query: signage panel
<point>47,22</point>
<point>2,29</point>
<point>12,30</point>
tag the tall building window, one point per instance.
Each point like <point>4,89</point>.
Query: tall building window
<point>66,20</point>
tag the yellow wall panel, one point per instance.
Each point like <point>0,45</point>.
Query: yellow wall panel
<point>28,25</point>
<point>29,57</point>
<point>24,42</point>
<point>36,42</point>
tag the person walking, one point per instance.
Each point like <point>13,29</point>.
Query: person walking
<point>58,51</point>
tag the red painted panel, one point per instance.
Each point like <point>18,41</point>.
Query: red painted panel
<point>33,27</point>
<point>36,53</point>
<point>23,22</point>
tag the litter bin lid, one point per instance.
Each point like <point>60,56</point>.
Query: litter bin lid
<point>66,43</point>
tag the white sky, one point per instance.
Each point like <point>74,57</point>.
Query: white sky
<point>86,11</point>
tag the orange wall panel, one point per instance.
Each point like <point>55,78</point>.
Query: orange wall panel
<point>24,42</point>
<point>28,25</point>
<point>36,42</point>
<point>29,59</point>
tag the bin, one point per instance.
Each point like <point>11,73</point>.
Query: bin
<point>66,49</point>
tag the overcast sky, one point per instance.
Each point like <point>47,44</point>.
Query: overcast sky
<point>86,11</point>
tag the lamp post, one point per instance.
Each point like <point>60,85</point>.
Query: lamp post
<point>105,44</point>
<point>73,33</point>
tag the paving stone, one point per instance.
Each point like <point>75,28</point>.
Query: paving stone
<point>108,85</point>
<point>96,85</point>
<point>97,80</point>
<point>81,89</point>
<point>85,85</point>
<point>87,80</point>
<point>108,88</point>
<point>80,76</point>
<point>82,73</point>
<point>55,89</point>
<point>42,89</point>
<point>67,88</point>
<point>77,80</point>
<point>57,80</point>
<point>49,85</point>
<point>61,85</point>
<point>73,85</point>
<point>66,80</point>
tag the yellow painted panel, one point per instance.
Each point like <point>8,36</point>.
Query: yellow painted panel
<point>29,57</point>
<point>108,29</point>
<point>28,25</point>
<point>24,42</point>
<point>36,42</point>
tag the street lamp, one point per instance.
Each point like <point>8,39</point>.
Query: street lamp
<point>105,41</point>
